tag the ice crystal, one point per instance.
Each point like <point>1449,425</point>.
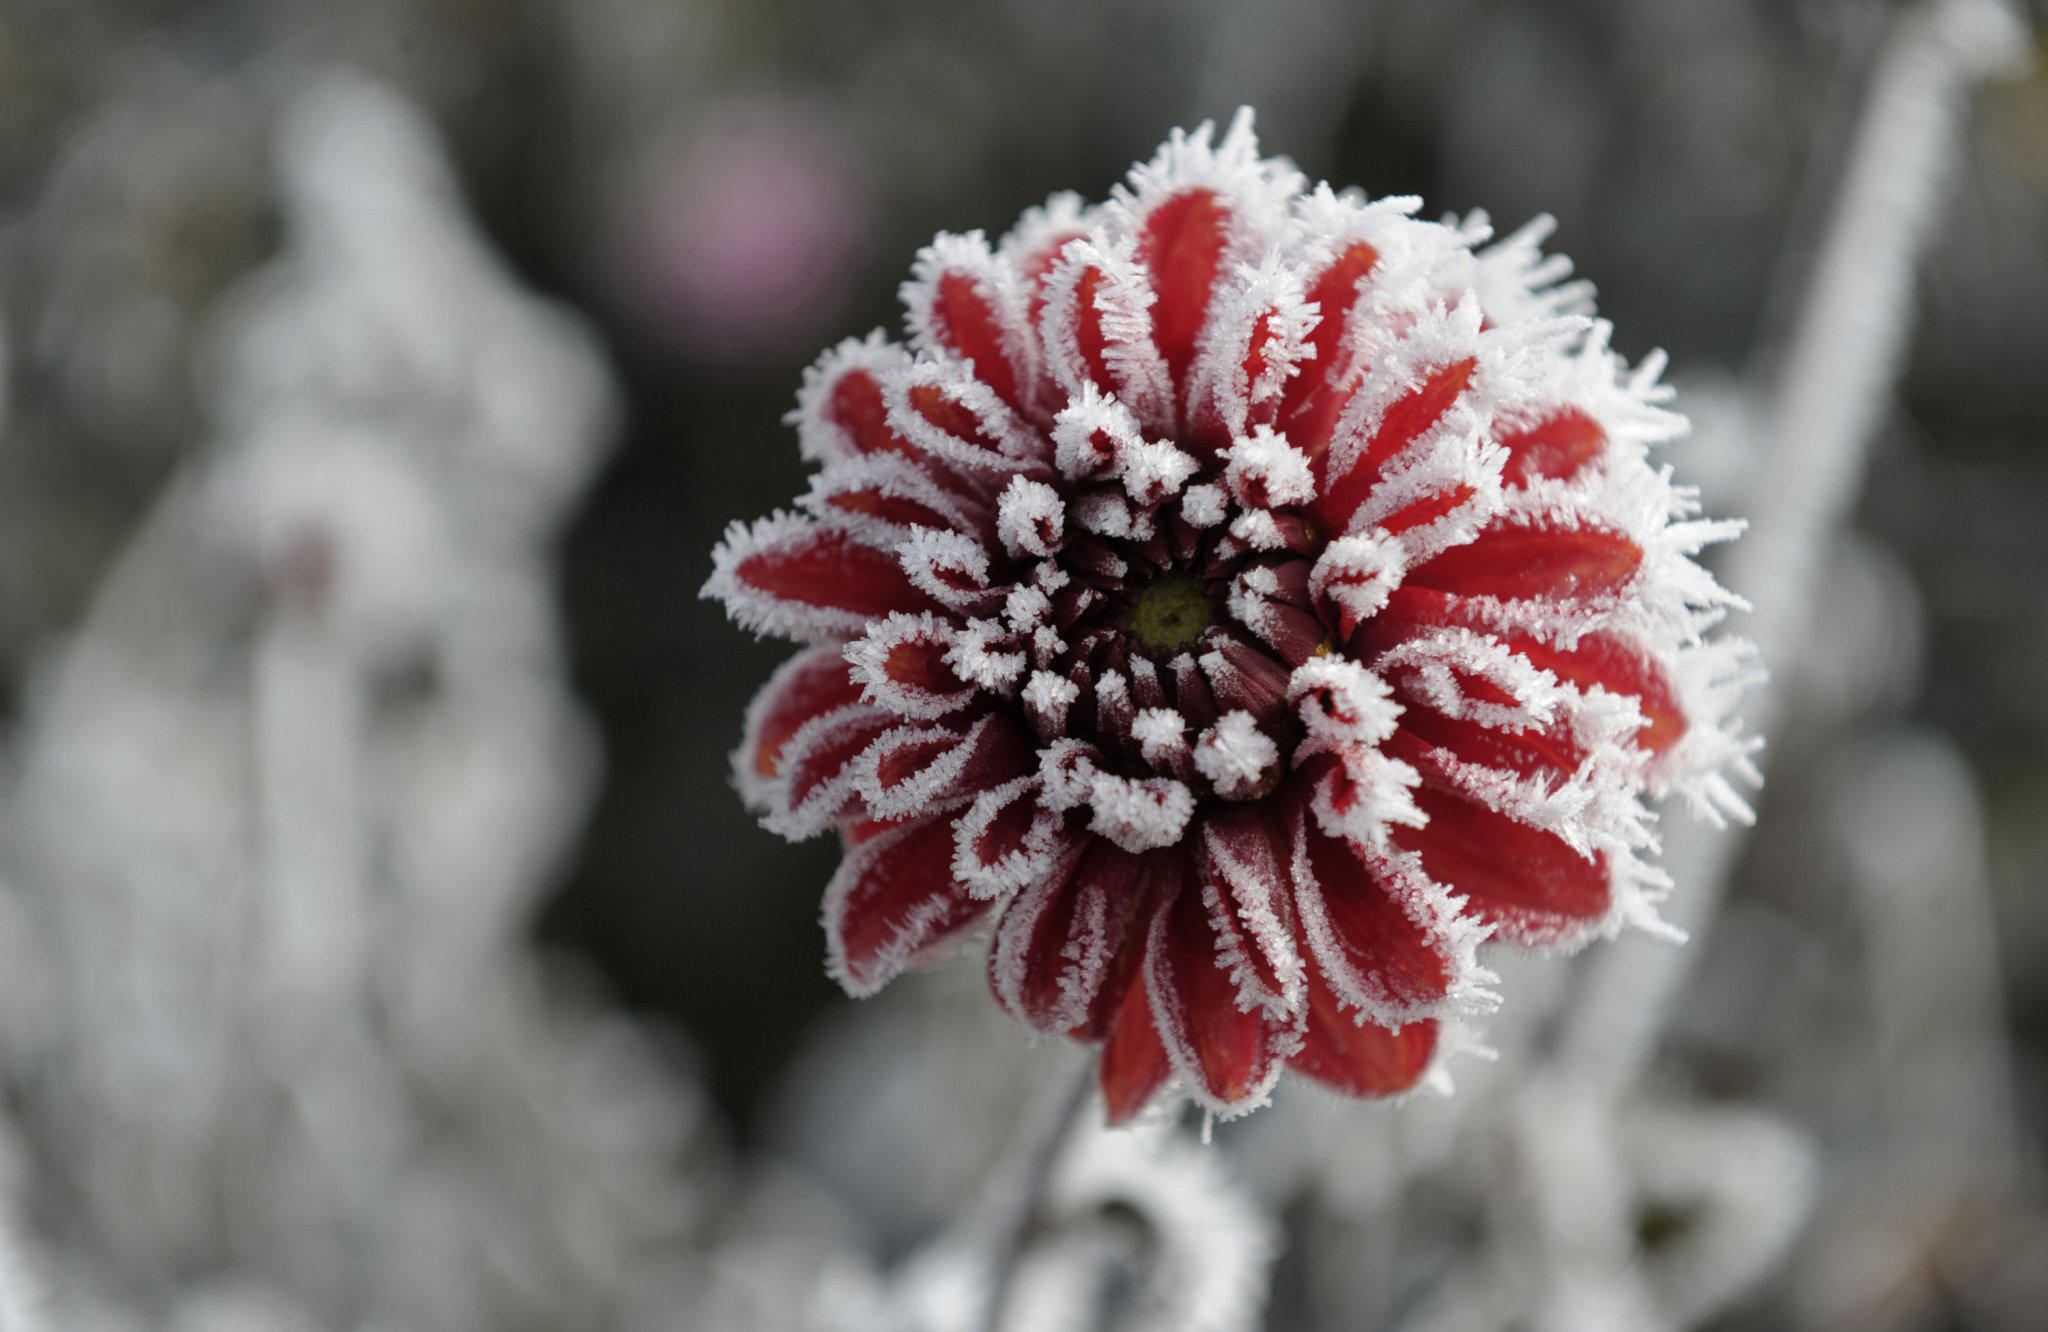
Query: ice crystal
<point>1242,600</point>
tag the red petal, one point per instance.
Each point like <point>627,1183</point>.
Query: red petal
<point>1514,562</point>
<point>1249,860</point>
<point>1557,447</point>
<point>1036,266</point>
<point>817,767</point>
<point>1089,334</point>
<point>1134,1065</point>
<point>1265,335</point>
<point>964,320</point>
<point>1056,942</point>
<point>915,769</point>
<point>1355,915</point>
<point>893,900</point>
<point>1007,840</point>
<point>1226,399</point>
<point>917,663</point>
<point>1182,243</point>
<point>1410,610</point>
<point>808,579</point>
<point>808,685</point>
<point>902,490</point>
<point>854,404</point>
<point>872,502</point>
<point>1598,659</point>
<point>1620,668</point>
<point>1528,883</point>
<point>1359,1060</point>
<point>1427,509</point>
<point>1231,1054</point>
<point>1525,753</point>
<point>980,438</point>
<point>1313,404</point>
<point>1403,422</point>
<point>865,830</point>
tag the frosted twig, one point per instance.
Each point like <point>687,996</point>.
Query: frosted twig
<point>1019,1187</point>
<point>22,1298</point>
<point>1829,400</point>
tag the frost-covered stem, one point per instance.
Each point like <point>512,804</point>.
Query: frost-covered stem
<point>1020,1186</point>
<point>1833,389</point>
<point>1835,385</point>
<point>22,1299</point>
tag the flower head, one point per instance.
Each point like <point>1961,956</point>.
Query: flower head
<point>1234,604</point>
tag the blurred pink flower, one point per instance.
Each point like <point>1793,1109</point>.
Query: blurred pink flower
<point>740,242</point>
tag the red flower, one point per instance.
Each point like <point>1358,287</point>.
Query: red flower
<point>1246,600</point>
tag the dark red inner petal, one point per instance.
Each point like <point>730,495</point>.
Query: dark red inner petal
<point>1513,562</point>
<point>1404,421</point>
<point>1134,1065</point>
<point>1293,633</point>
<point>1557,447</point>
<point>1389,955</point>
<point>1250,681</point>
<point>967,323</point>
<point>828,568</point>
<point>902,900</point>
<point>1359,1060</point>
<point>1522,879</point>
<point>1182,243</point>
<point>1003,751</point>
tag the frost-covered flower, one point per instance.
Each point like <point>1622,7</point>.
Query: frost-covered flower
<point>1240,600</point>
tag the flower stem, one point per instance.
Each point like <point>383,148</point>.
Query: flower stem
<point>1020,1185</point>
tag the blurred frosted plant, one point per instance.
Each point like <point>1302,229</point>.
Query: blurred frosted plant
<point>287,800</point>
<point>1252,597</point>
<point>1145,1232</point>
<point>1140,1230</point>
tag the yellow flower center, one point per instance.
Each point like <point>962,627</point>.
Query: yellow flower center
<point>1171,613</point>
